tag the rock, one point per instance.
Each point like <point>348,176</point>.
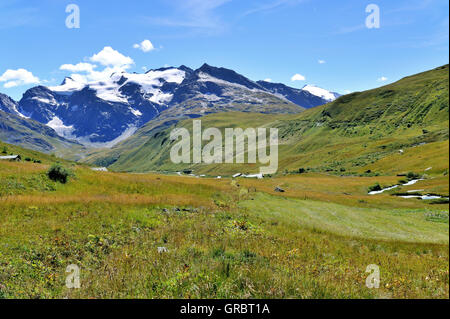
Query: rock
<point>279,189</point>
<point>162,250</point>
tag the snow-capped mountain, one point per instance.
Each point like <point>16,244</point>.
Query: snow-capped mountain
<point>103,113</point>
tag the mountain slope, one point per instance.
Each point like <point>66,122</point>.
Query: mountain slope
<point>347,135</point>
<point>301,97</point>
<point>31,134</point>
<point>7,104</point>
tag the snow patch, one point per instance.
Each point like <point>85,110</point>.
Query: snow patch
<point>49,100</point>
<point>61,129</point>
<point>204,77</point>
<point>68,87</point>
<point>135,112</point>
<point>108,91</point>
<point>86,140</point>
<point>317,91</point>
<point>152,81</point>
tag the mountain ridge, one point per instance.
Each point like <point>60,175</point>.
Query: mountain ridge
<point>101,113</point>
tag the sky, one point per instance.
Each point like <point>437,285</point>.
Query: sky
<point>296,42</point>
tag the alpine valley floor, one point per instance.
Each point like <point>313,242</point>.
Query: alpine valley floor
<point>223,238</point>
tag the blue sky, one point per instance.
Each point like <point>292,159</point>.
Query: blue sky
<point>265,39</point>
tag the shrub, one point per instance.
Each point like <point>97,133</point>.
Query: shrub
<point>412,175</point>
<point>5,150</point>
<point>375,187</point>
<point>59,173</point>
<point>301,170</point>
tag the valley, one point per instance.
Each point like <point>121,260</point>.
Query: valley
<point>151,228</point>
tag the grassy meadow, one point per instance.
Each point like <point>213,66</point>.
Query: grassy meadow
<point>224,238</point>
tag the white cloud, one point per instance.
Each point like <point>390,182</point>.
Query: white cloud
<point>112,61</point>
<point>298,77</point>
<point>18,77</point>
<point>321,61</point>
<point>79,78</point>
<point>80,67</point>
<point>144,46</point>
<point>267,80</point>
<point>382,79</point>
<point>112,58</point>
<point>10,84</point>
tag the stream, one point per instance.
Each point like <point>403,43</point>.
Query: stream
<point>411,182</point>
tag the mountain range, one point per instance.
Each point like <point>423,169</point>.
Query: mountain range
<point>356,133</point>
<point>124,123</point>
<point>104,113</point>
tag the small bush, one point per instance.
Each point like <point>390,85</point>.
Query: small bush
<point>412,175</point>
<point>59,173</point>
<point>375,187</point>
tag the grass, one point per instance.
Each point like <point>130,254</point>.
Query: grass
<point>224,239</point>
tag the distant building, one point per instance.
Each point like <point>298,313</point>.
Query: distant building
<point>12,158</point>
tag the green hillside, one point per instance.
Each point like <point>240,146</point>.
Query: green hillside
<point>33,135</point>
<point>406,121</point>
<point>28,155</point>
